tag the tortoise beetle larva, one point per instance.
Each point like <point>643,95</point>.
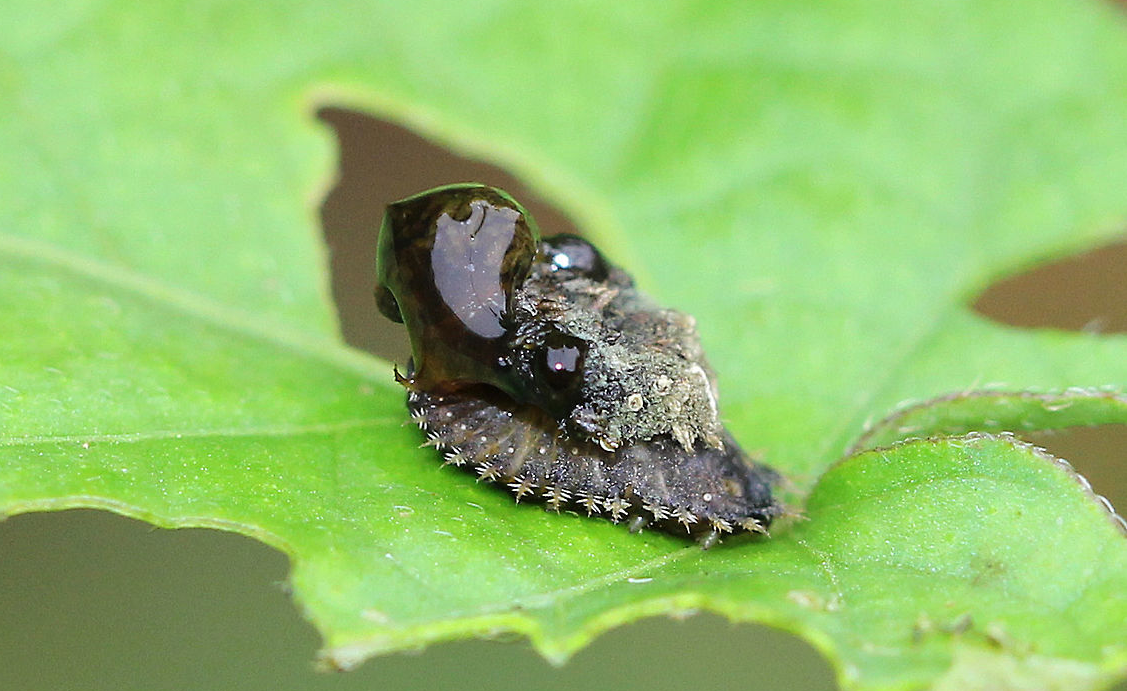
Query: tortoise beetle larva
<point>538,365</point>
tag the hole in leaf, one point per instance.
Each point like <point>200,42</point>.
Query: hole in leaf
<point>91,599</point>
<point>1097,453</point>
<point>1086,292</point>
<point>379,163</point>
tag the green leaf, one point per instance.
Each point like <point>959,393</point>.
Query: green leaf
<point>994,411</point>
<point>824,187</point>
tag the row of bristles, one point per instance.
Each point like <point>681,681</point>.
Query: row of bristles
<point>618,508</point>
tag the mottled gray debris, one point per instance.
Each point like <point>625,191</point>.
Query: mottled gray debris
<point>645,372</point>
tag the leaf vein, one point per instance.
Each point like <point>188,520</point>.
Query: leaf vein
<point>228,318</point>
<point>158,435</point>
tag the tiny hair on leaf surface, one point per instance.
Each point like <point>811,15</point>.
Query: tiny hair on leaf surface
<point>823,187</point>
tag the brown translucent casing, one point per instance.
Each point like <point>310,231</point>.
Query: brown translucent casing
<point>448,263</point>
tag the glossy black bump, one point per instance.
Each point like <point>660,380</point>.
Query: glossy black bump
<point>570,255</point>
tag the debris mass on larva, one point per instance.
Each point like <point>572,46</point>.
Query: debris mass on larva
<point>537,365</point>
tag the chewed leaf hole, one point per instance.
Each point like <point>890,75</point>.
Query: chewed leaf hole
<point>378,163</point>
<point>1099,454</point>
<point>1086,292</point>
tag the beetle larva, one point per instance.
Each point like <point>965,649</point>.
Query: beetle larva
<point>538,365</point>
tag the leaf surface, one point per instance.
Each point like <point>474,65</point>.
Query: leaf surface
<point>825,188</point>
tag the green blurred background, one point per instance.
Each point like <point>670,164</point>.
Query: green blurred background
<point>89,600</point>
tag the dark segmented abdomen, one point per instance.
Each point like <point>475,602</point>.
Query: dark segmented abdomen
<point>704,493</point>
